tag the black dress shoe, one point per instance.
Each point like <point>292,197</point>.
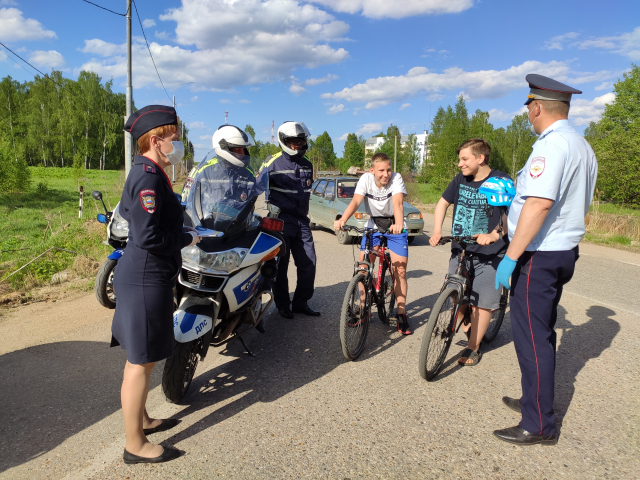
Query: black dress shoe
<point>512,403</point>
<point>285,312</point>
<point>520,436</point>
<point>167,424</point>
<point>167,455</point>
<point>306,310</point>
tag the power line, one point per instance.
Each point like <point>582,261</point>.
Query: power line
<point>96,5</point>
<point>149,48</point>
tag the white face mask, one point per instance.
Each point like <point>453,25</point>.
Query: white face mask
<point>177,154</point>
<point>533,130</point>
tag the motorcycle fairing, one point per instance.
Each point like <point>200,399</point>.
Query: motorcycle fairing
<point>247,279</point>
<point>263,245</point>
<point>116,254</point>
<point>192,319</point>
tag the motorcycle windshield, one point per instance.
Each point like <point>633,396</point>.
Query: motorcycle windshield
<point>223,193</point>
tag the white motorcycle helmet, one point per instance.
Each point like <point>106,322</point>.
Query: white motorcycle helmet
<point>227,137</point>
<point>291,130</point>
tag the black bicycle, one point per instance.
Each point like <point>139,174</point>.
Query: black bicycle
<point>363,291</point>
<point>442,325</point>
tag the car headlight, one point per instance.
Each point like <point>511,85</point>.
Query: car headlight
<point>414,216</point>
<point>361,216</point>
<point>226,261</point>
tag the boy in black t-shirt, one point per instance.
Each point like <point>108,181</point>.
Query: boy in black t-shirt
<point>472,217</point>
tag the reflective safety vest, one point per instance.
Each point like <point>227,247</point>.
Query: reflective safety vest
<point>289,183</point>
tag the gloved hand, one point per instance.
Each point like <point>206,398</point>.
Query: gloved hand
<point>503,274</point>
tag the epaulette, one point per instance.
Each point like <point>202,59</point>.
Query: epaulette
<point>148,168</point>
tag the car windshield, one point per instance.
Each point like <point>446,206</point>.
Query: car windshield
<point>346,188</point>
<point>223,195</point>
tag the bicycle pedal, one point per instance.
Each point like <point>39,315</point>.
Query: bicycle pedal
<point>393,322</point>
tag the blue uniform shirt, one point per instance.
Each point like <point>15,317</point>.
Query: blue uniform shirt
<point>290,180</point>
<point>562,167</point>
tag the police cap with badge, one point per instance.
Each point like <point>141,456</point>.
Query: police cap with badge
<point>150,117</point>
<point>545,88</point>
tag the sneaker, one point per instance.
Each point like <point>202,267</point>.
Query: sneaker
<point>403,324</point>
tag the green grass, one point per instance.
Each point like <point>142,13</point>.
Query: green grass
<point>427,193</point>
<point>53,199</point>
<point>613,209</point>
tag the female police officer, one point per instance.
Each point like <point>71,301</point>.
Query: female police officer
<point>144,279</point>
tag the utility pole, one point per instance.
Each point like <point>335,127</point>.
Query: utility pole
<point>128,141</point>
<point>395,152</point>
<point>226,118</point>
<point>273,132</point>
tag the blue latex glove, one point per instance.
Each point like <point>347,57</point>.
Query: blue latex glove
<point>503,274</point>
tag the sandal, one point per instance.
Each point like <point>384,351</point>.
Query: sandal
<point>471,355</point>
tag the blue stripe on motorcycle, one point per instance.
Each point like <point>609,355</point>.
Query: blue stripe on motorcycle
<point>263,243</point>
<point>116,254</point>
<point>188,319</point>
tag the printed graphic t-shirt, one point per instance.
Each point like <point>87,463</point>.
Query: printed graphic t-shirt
<point>378,201</point>
<point>470,215</point>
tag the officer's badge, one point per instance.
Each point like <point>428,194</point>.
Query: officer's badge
<point>243,197</point>
<point>537,167</point>
<point>148,168</point>
<point>148,200</point>
<point>308,182</point>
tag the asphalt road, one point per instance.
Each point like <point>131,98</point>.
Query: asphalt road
<point>298,409</point>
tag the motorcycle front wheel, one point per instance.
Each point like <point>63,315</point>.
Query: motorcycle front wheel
<point>179,370</point>
<point>105,293</point>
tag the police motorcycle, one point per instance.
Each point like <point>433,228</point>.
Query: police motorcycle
<point>117,235</point>
<point>224,286</point>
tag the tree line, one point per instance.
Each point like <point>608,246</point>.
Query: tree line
<point>53,121</point>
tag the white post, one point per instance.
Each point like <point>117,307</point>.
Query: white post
<point>80,205</point>
<point>395,148</point>
<point>128,143</point>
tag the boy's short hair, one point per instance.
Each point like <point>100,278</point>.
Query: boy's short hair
<point>478,146</point>
<point>379,157</point>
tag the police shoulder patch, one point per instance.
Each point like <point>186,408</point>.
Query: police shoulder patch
<point>148,168</point>
<point>148,200</point>
<point>536,167</point>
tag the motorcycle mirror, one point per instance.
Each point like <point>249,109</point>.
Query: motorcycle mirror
<point>97,195</point>
<point>102,218</point>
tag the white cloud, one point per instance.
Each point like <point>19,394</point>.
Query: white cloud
<point>490,84</point>
<point>434,97</point>
<point>496,115</point>
<point>312,82</point>
<point>14,27</point>
<point>343,138</point>
<point>161,35</point>
<point>194,98</point>
<point>296,88</point>
<point>336,109</point>
<point>225,100</point>
<point>404,105</point>
<point>255,89</point>
<point>10,3</point>
<point>196,125</point>
<point>556,43</point>
<point>102,48</point>
<point>244,100</point>
<point>405,8</point>
<point>205,137</point>
<point>148,23</point>
<point>257,42</point>
<point>50,59</point>
<point>583,111</point>
<point>627,44</point>
<point>369,128</point>
<point>604,86</point>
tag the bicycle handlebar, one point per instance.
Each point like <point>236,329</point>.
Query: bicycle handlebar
<point>363,230</point>
<point>461,240</point>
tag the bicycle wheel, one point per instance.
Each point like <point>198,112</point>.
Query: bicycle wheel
<point>438,335</point>
<point>387,300</point>
<point>354,318</point>
<point>497,316</point>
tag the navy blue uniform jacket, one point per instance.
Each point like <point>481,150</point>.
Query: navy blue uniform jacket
<point>146,274</point>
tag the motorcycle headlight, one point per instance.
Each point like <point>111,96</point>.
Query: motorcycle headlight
<point>119,226</point>
<point>227,261</point>
<point>414,216</point>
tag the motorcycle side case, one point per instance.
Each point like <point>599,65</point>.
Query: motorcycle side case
<point>116,254</point>
<point>193,318</point>
<point>263,245</point>
<point>241,287</point>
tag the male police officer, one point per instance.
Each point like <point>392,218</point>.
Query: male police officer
<point>546,223</point>
<point>290,178</point>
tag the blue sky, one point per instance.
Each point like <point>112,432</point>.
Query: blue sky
<point>338,65</point>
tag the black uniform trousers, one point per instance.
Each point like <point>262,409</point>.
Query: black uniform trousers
<point>299,240</point>
<point>536,288</point>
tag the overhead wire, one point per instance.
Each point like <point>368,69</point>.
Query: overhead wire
<point>149,48</point>
<point>96,5</point>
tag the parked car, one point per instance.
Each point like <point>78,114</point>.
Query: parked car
<point>330,196</point>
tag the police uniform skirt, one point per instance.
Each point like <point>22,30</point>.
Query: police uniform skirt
<point>143,320</point>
